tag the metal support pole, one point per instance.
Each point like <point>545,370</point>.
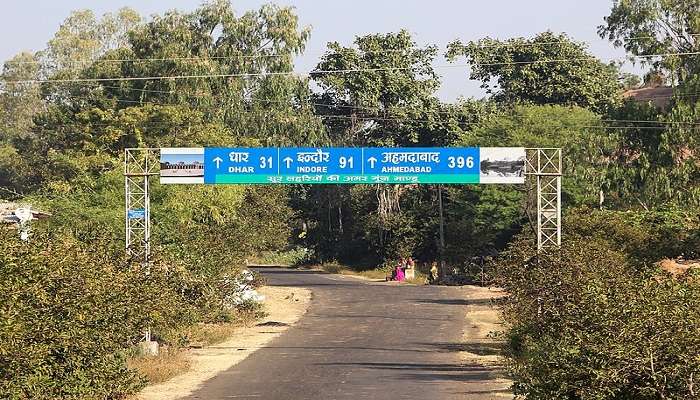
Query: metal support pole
<point>545,164</point>
<point>442,273</point>
<point>139,166</point>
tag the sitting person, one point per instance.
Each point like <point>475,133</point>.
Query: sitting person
<point>399,273</point>
<point>433,275</point>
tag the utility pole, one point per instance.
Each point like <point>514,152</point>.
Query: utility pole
<point>139,166</point>
<point>442,234</point>
<point>545,164</point>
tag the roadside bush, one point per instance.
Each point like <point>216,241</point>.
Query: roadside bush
<point>589,322</point>
<point>67,312</point>
<point>645,236</point>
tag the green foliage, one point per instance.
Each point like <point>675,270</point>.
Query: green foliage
<point>82,38</point>
<point>529,70</point>
<point>590,322</point>
<point>645,27</point>
<point>586,147</point>
<point>399,84</point>
<point>656,162</point>
<point>68,309</point>
<point>273,109</point>
<point>480,220</point>
<point>644,236</point>
<point>215,228</point>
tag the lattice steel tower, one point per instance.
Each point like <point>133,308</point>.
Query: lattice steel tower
<point>139,166</point>
<point>545,164</point>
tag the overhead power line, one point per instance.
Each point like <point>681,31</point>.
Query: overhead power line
<point>626,123</point>
<point>174,92</point>
<point>342,117</point>
<point>354,107</point>
<point>504,43</point>
<point>319,72</point>
<point>387,112</point>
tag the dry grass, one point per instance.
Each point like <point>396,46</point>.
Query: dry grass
<point>370,273</point>
<point>420,279</point>
<point>167,364</point>
<point>334,268</point>
<point>201,335</point>
<point>173,361</point>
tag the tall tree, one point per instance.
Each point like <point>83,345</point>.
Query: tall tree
<point>547,69</point>
<point>586,146</point>
<point>649,27</point>
<point>256,50</point>
<point>83,38</point>
<point>392,82</point>
<point>658,161</point>
<point>19,103</point>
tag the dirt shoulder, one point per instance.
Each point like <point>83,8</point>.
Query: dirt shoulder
<point>284,306</point>
<point>478,348</point>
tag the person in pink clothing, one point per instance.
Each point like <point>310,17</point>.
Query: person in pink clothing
<point>399,274</point>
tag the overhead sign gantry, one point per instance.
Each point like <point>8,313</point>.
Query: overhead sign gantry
<point>452,165</point>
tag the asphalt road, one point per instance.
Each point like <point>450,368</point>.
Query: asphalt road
<point>362,340</point>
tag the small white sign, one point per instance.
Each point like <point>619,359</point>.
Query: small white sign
<point>182,165</point>
<point>502,165</point>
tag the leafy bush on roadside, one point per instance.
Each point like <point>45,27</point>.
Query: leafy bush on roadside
<point>645,236</point>
<point>591,322</point>
<point>67,312</point>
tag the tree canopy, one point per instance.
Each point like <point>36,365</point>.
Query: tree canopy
<point>653,27</point>
<point>547,69</point>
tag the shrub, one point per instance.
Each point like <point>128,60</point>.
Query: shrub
<point>645,236</point>
<point>589,322</point>
<point>67,312</point>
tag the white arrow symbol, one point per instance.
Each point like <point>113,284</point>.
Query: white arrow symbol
<point>288,161</point>
<point>218,161</point>
<point>372,161</point>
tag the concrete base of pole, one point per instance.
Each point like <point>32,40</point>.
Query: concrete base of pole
<point>148,348</point>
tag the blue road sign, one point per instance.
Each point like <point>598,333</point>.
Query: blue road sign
<point>136,213</point>
<point>246,165</point>
<point>332,161</point>
<point>240,162</point>
<point>422,160</point>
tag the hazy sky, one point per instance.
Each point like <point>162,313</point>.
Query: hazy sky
<point>29,24</point>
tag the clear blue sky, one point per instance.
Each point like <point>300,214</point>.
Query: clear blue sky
<point>29,24</point>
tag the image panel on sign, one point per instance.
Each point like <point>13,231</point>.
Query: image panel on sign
<point>502,165</point>
<point>181,165</point>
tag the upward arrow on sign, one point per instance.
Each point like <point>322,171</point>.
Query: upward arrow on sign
<point>288,161</point>
<point>218,161</point>
<point>372,161</point>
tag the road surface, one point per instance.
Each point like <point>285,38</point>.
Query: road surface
<point>363,340</point>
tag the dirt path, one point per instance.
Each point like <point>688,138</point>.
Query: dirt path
<point>478,346</point>
<point>284,305</point>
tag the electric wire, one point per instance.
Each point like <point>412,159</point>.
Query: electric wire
<point>351,107</point>
<point>316,72</point>
<point>279,55</point>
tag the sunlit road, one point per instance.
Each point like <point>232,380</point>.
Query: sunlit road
<point>361,340</point>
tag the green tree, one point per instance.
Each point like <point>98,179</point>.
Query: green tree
<point>586,145</point>
<point>388,100</point>
<point>83,38</point>
<point>19,103</point>
<point>377,106</point>
<point>648,27</point>
<point>547,69</point>
<point>212,40</point>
